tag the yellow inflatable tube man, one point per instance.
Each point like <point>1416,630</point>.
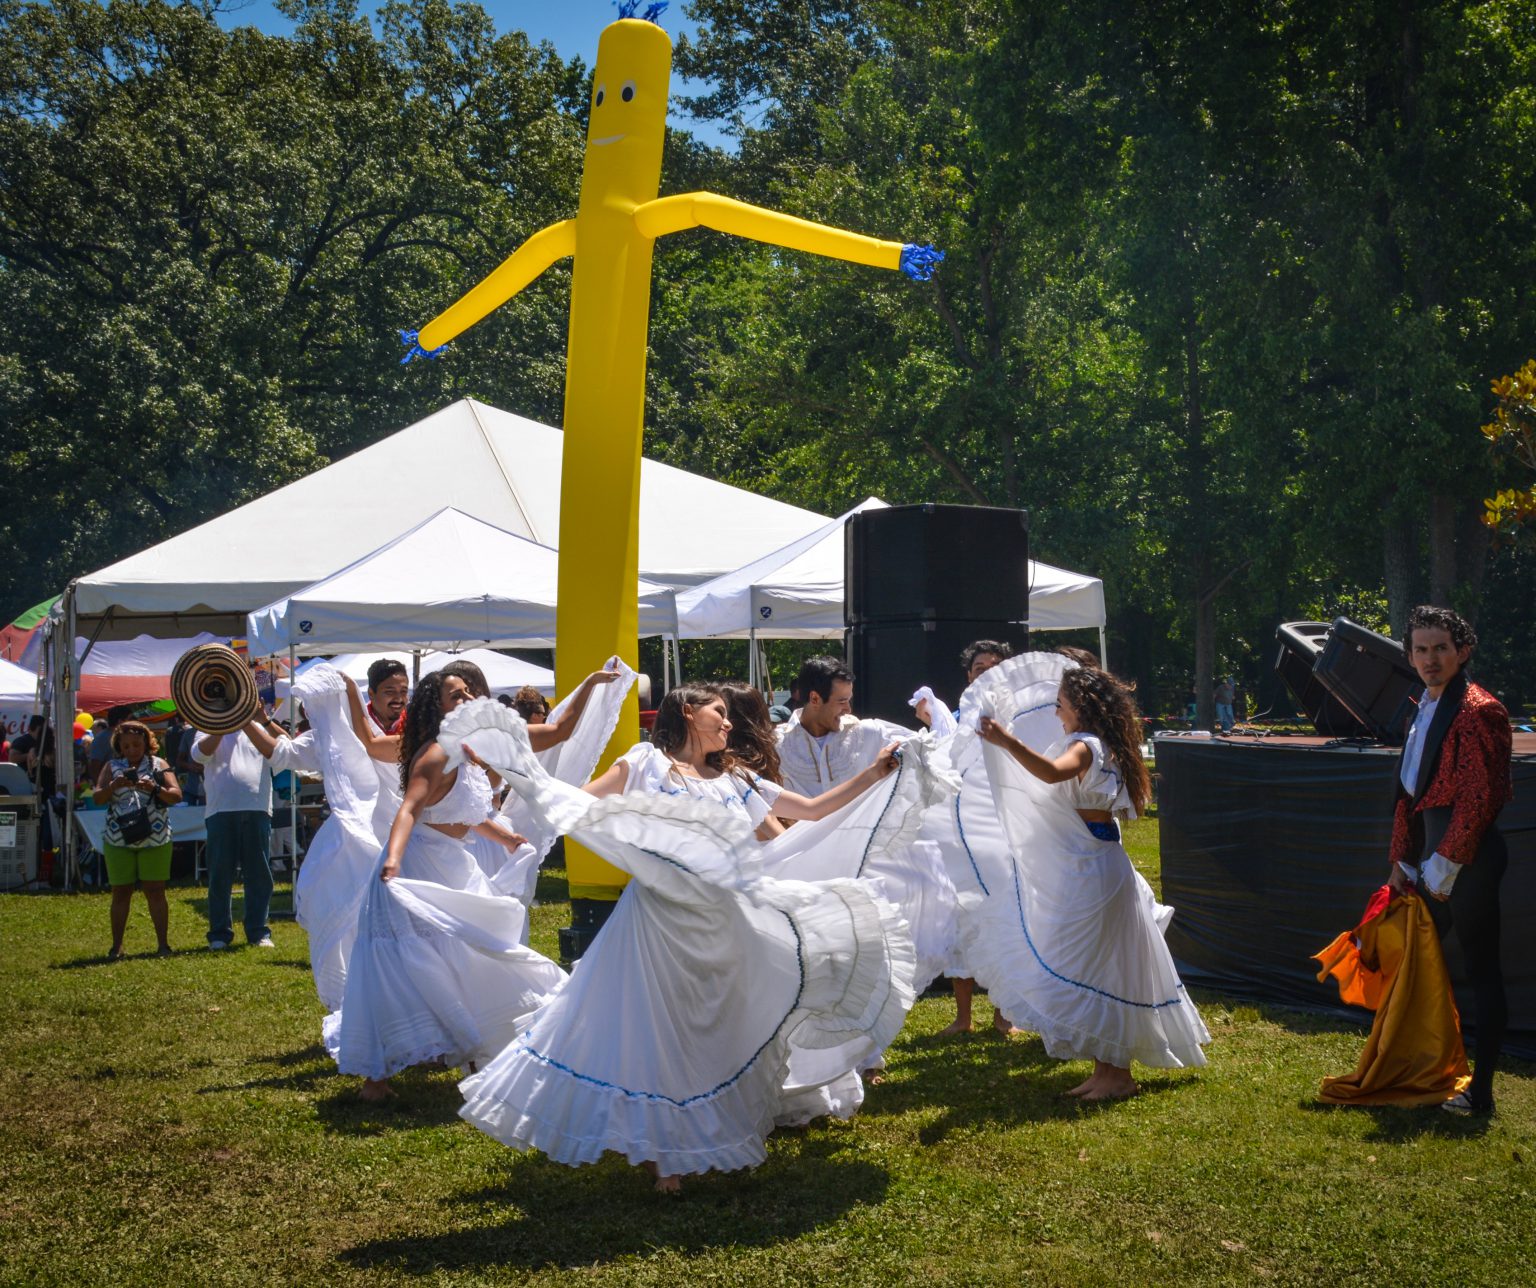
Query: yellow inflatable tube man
<point>617,222</point>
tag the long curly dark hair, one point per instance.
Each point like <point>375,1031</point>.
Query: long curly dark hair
<point>423,719</point>
<point>1105,708</point>
<point>752,742</point>
<point>670,732</point>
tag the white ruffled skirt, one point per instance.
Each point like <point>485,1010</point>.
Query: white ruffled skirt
<point>691,1027</point>
<point>1072,948</point>
<point>438,970</point>
<point>715,1002</point>
<point>327,898</point>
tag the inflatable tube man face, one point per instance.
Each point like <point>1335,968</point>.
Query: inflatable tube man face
<point>628,125</point>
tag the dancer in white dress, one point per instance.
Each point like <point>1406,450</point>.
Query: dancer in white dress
<point>341,858</point>
<point>905,870</point>
<point>438,970</point>
<point>967,830</point>
<point>715,995</point>
<point>1072,945</point>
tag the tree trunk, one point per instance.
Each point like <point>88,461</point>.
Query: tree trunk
<point>1205,652</point>
<point>1399,550</point>
<point>1196,531</point>
<point>1472,546</point>
<point>1442,550</point>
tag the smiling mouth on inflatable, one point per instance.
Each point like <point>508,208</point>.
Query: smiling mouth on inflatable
<point>612,138</point>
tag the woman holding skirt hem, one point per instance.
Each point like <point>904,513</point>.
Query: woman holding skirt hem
<point>1071,945</point>
<point>716,994</point>
<point>437,970</point>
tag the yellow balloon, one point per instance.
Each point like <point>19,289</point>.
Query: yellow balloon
<point>85,718</point>
<point>618,219</point>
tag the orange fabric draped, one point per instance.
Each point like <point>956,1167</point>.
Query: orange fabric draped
<point>1391,964</point>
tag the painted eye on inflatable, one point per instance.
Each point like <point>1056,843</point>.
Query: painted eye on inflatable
<point>628,92</point>
<point>598,101</point>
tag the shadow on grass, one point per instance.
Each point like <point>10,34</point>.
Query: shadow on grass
<point>425,1097</point>
<point>987,1080</point>
<point>546,1215</point>
<point>1398,1124</point>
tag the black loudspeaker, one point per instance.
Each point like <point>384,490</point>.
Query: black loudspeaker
<point>937,562</point>
<point>921,582</point>
<point>1369,674</point>
<point>1301,643</point>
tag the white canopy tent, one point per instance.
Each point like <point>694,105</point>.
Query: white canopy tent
<point>451,580</point>
<point>496,466</point>
<point>491,464</point>
<point>797,593</point>
<point>18,697</point>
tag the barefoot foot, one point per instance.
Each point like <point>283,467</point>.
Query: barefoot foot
<point>377,1091</point>
<point>1115,1091</point>
<point>1004,1025</point>
<point>955,1030</point>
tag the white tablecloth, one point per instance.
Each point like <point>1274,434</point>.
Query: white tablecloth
<point>186,824</point>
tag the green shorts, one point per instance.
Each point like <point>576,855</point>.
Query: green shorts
<point>127,866</point>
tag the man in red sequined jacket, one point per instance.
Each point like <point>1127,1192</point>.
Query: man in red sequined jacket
<point>1452,782</point>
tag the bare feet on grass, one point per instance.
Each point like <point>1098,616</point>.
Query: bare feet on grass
<point>1109,1082</point>
<point>1004,1025</point>
<point>956,1029</point>
<point>377,1091</point>
<point>663,1184</point>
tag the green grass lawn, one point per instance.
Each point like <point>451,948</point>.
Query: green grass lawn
<point>176,1122</point>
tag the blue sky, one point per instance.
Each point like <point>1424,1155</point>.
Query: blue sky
<point>571,26</point>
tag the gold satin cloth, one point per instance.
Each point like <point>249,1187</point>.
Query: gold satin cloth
<point>1414,1054</point>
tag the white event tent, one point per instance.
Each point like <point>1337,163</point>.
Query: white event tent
<point>451,580</point>
<point>18,696</point>
<point>797,593</point>
<point>498,467</point>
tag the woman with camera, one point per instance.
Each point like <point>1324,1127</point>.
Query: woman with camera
<point>137,786</point>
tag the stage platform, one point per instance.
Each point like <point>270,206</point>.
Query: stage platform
<point>1271,847</point>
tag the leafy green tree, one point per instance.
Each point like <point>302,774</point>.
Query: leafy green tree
<point>209,238</point>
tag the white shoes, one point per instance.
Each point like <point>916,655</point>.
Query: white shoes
<point>265,942</point>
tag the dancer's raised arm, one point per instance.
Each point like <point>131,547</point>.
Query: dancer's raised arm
<point>381,746</point>
<point>556,730</point>
<point>1070,764</point>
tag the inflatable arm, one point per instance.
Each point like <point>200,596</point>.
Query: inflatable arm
<point>506,280</point>
<point>708,210</point>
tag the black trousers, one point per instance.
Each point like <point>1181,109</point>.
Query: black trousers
<point>1473,912</point>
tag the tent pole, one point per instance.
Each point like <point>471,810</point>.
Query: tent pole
<point>666,664</point>
<point>63,743</point>
<point>293,777</point>
<point>677,659</point>
<point>752,656</point>
<point>1103,651</point>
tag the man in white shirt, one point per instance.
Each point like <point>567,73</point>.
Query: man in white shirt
<point>237,783</point>
<point>823,743</point>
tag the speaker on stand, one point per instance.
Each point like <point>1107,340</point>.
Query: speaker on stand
<point>922,582</point>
